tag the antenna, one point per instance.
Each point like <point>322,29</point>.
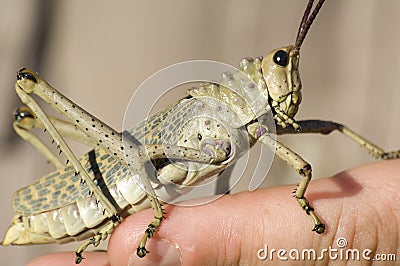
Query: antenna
<point>306,21</point>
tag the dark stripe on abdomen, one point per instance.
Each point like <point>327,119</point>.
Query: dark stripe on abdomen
<point>99,180</point>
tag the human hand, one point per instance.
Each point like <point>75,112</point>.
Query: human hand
<point>360,205</point>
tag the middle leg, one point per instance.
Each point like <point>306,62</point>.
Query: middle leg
<point>302,167</point>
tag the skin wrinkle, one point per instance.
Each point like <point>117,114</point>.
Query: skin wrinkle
<point>395,228</point>
<point>381,229</point>
<point>260,226</point>
<point>223,226</point>
<point>363,233</point>
<point>224,251</point>
<point>210,234</point>
<point>383,224</point>
<point>357,235</point>
<point>353,235</point>
<point>231,249</point>
<point>349,189</point>
<point>251,233</point>
<point>336,226</point>
<point>263,228</point>
<point>386,223</point>
<point>392,210</point>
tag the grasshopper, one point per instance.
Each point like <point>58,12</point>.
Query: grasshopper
<point>88,198</point>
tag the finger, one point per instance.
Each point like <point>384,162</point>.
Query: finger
<point>357,205</point>
<point>68,259</point>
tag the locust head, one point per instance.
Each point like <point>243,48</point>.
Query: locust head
<point>280,71</point>
<point>281,74</point>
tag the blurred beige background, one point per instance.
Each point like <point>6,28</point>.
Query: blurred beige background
<point>98,52</point>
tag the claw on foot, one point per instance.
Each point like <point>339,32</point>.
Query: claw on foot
<point>149,233</point>
<point>319,228</point>
<point>141,252</point>
<point>78,257</point>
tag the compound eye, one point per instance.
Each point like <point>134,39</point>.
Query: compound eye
<point>281,58</point>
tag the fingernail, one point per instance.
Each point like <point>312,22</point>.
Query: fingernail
<point>161,252</point>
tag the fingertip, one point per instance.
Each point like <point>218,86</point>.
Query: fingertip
<point>163,252</point>
<point>125,238</point>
